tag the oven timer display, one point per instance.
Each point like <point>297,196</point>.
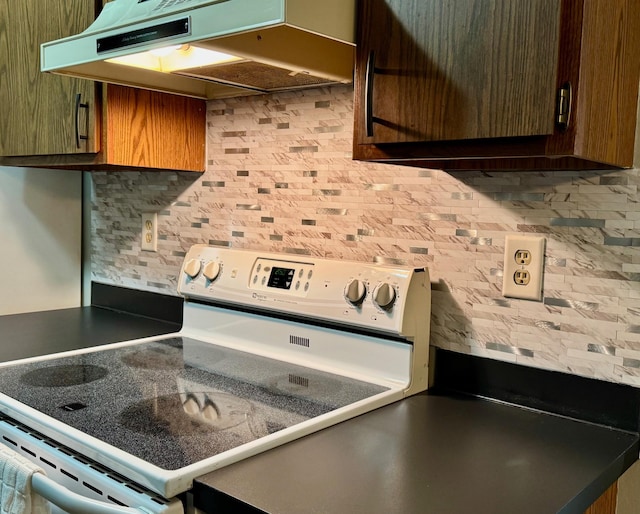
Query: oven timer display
<point>281,278</point>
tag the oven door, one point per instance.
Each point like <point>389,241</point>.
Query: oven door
<point>76,485</point>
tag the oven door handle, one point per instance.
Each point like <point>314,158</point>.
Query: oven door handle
<point>74,503</point>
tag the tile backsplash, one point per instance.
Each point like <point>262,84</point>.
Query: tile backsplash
<point>280,178</point>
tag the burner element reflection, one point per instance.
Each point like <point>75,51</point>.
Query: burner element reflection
<point>308,386</point>
<point>189,414</point>
<point>155,357</point>
<point>209,412</point>
<point>64,375</point>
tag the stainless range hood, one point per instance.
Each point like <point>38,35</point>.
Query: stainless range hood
<point>212,48</point>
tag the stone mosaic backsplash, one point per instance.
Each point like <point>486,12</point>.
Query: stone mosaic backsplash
<point>280,178</point>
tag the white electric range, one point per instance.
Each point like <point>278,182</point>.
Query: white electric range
<point>273,347</point>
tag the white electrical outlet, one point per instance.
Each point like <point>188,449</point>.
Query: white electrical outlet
<point>149,241</point>
<point>523,267</point>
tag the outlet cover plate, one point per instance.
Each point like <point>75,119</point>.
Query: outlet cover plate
<point>535,246</point>
<point>149,235</point>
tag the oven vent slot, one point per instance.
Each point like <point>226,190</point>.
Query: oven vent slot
<point>298,380</point>
<point>9,440</point>
<point>66,473</point>
<point>93,488</point>
<point>48,463</point>
<point>27,450</point>
<point>299,341</point>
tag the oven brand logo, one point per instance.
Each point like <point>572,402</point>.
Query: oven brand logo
<point>261,297</point>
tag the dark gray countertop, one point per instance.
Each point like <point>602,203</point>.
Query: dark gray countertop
<point>39,333</point>
<point>428,453</point>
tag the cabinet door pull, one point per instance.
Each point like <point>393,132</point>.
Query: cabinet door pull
<point>80,105</point>
<point>563,116</point>
<point>368,93</point>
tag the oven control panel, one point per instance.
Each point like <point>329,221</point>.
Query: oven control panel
<point>349,292</point>
<point>285,277</point>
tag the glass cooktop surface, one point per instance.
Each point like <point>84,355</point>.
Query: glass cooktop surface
<point>176,401</point>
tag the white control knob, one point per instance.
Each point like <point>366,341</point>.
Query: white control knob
<point>384,295</point>
<point>192,267</point>
<point>354,291</point>
<point>211,270</point>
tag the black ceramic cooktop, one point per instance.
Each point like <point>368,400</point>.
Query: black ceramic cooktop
<point>176,401</point>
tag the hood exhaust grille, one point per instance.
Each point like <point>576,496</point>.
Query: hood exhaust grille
<point>255,75</point>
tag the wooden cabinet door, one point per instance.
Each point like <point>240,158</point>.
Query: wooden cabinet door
<point>444,70</point>
<point>37,110</point>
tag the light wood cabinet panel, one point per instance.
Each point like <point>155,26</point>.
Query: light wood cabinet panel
<point>606,503</point>
<point>44,123</point>
<point>474,84</point>
<point>154,130</point>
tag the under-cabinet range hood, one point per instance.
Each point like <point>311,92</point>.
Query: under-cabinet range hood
<point>212,48</point>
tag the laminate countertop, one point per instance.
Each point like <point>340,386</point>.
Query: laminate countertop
<point>41,333</point>
<point>430,454</point>
<point>435,453</point>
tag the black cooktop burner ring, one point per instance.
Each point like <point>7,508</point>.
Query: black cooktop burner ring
<point>155,357</point>
<point>64,375</point>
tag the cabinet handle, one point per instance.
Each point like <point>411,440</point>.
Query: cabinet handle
<point>563,109</point>
<point>368,93</point>
<point>80,105</point>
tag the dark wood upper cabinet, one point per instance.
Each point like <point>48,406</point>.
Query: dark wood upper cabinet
<point>55,121</point>
<point>497,84</point>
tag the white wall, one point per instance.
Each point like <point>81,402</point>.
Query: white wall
<point>40,239</point>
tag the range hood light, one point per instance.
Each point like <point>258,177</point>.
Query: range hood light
<point>164,51</point>
<point>174,58</point>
